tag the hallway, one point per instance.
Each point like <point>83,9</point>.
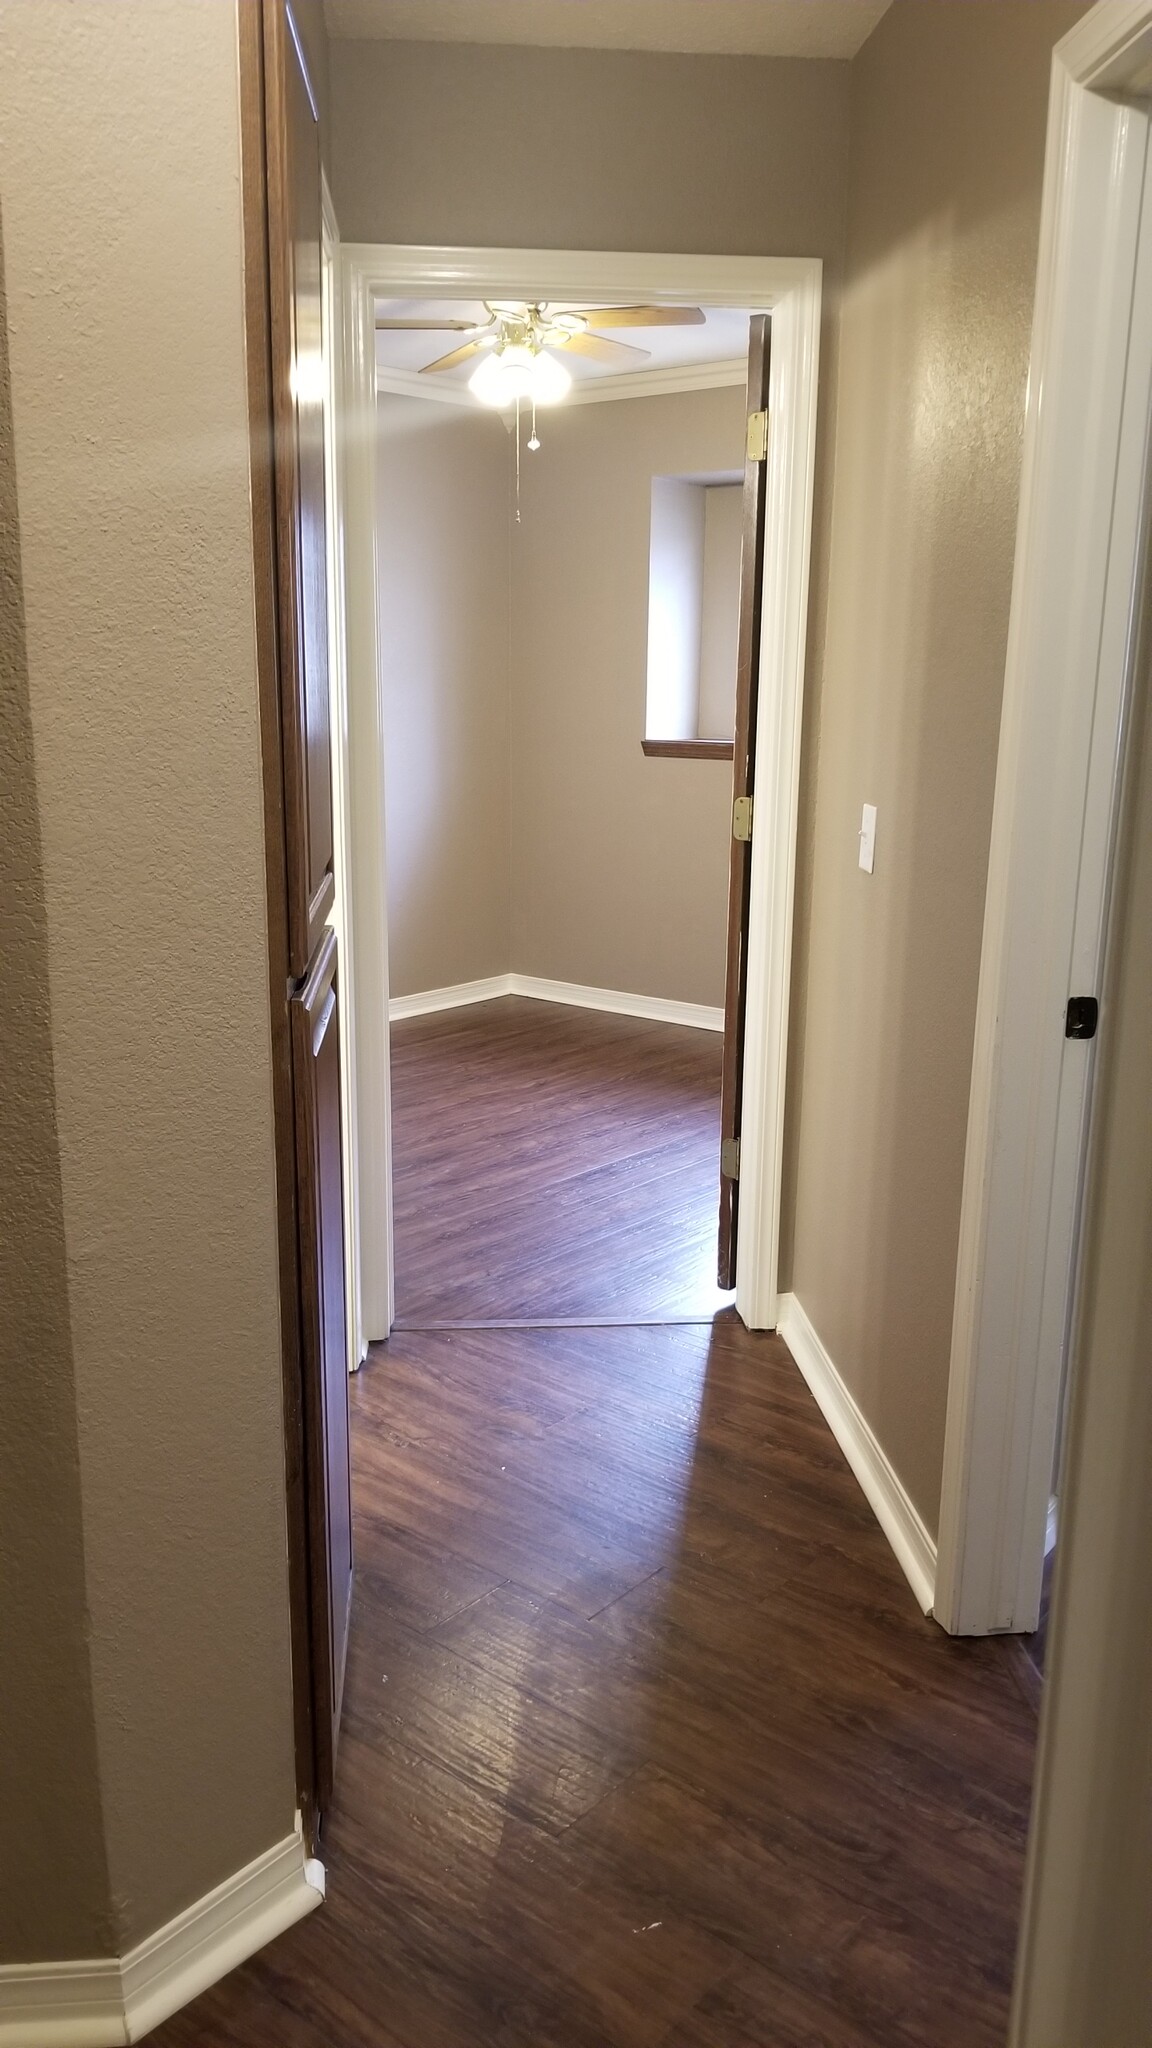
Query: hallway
<point>646,1744</point>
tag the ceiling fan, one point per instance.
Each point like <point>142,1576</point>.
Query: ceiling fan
<point>522,335</point>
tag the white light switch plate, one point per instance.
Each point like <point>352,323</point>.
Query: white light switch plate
<point>868,838</point>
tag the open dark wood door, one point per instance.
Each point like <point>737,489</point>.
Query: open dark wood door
<point>743,777</point>
<point>320,1206</point>
<point>295,270</point>
<point>283,229</point>
<point>295,251</point>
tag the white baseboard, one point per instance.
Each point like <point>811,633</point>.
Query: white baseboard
<point>882,1485</point>
<point>657,1009</point>
<point>456,998</point>
<point>62,2005</point>
<point>108,2004</point>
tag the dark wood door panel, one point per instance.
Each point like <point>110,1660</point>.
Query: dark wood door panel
<point>743,780</point>
<point>324,1353</point>
<point>296,282</point>
<point>283,256</point>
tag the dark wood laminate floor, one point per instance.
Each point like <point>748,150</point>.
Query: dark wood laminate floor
<point>1032,1650</point>
<point>554,1163</point>
<point>646,1743</point>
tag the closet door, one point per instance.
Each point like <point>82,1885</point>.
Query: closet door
<point>320,1204</point>
<point>321,1522</point>
<point>298,387</point>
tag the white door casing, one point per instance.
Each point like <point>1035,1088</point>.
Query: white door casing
<point>790,289</point>
<point>341,917</point>
<point>362,741</point>
<point>1079,543</point>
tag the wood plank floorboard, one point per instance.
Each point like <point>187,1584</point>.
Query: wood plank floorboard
<point>554,1163</point>
<point>647,1744</point>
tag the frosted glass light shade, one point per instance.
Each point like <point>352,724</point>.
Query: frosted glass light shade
<point>518,372</point>
<point>550,380</point>
<point>503,377</point>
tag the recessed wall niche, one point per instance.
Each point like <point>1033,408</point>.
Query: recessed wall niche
<point>693,606</point>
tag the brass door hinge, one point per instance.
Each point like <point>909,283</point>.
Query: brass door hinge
<point>742,818</point>
<point>730,1159</point>
<point>757,436</point>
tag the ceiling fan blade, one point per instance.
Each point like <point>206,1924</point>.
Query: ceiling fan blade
<point>603,351</point>
<point>429,326</point>
<point>459,355</point>
<point>644,316</point>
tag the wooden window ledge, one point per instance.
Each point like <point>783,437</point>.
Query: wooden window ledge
<point>688,750</point>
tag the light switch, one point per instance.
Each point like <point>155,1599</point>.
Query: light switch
<point>868,837</point>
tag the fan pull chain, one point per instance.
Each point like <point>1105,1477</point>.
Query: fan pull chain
<point>534,443</point>
<point>517,458</point>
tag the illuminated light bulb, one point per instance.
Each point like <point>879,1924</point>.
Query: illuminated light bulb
<point>503,377</point>
<point>517,371</point>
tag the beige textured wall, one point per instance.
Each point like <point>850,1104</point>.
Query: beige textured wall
<point>119,166</point>
<point>728,155</point>
<point>525,828</point>
<point>1085,1978</point>
<point>588,149</point>
<point>924,369</point>
<point>443,497</point>
<point>948,116</point>
<point>619,863</point>
<point>54,1896</point>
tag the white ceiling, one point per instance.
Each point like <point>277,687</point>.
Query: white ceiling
<point>722,339</point>
<point>764,28</point>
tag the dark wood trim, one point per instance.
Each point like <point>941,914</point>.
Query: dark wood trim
<point>259,374</point>
<point>687,750</point>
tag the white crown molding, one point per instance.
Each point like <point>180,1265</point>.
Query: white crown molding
<point>108,2003</point>
<point>884,1489</point>
<point>663,383</point>
<point>433,390</point>
<point>573,995</point>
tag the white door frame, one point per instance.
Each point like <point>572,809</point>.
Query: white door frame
<point>362,770</point>
<point>1079,547</point>
<point>341,917</point>
<point>789,289</point>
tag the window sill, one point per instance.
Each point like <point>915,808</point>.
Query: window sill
<point>688,750</point>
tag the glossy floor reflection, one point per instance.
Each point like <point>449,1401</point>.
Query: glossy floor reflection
<point>647,1744</point>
